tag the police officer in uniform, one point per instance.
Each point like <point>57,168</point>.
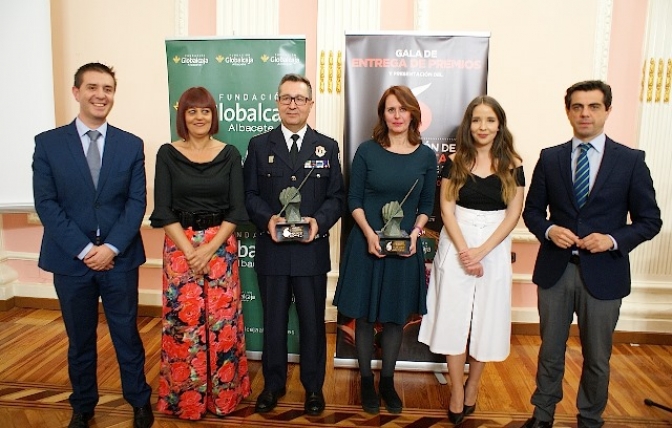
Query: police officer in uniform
<point>276,160</point>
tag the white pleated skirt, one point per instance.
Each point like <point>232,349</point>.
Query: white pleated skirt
<point>462,307</point>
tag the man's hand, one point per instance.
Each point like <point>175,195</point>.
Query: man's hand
<point>100,258</point>
<point>596,243</point>
<point>562,237</point>
<point>313,229</point>
<point>271,226</point>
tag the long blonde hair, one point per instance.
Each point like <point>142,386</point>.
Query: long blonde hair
<point>502,153</point>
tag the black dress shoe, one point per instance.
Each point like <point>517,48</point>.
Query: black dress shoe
<point>143,417</point>
<point>314,403</point>
<point>534,423</point>
<point>80,420</point>
<point>456,418</point>
<point>268,399</point>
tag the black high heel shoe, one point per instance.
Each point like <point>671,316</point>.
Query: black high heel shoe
<point>468,410</point>
<point>456,418</point>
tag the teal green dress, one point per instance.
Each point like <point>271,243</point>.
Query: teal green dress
<point>392,288</point>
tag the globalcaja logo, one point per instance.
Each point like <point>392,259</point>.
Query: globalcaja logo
<point>281,58</point>
<point>236,59</point>
<point>192,60</point>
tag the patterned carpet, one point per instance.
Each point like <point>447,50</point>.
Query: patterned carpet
<point>113,411</point>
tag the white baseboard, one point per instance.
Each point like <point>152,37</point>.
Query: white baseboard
<point>647,309</point>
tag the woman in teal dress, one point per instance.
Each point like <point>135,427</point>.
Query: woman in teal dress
<point>373,287</point>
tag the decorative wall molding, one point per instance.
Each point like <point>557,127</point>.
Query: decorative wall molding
<point>248,17</point>
<point>655,127</point>
<point>334,19</point>
<point>605,10</point>
<point>181,18</point>
<point>421,15</point>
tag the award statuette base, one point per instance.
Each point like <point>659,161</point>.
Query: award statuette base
<point>394,245</point>
<point>292,232</point>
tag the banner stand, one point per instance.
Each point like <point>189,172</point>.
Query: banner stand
<point>445,72</point>
<point>242,74</point>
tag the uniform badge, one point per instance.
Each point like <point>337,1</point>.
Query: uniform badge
<point>320,151</point>
<point>271,158</point>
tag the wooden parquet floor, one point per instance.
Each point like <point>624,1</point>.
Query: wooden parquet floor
<point>34,386</point>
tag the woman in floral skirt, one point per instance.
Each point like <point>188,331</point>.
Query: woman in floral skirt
<point>198,201</point>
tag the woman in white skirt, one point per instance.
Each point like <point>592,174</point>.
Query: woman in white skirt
<point>469,295</point>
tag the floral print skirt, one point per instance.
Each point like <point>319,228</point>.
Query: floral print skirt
<point>203,360</point>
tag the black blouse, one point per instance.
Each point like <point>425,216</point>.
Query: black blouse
<point>483,193</point>
<point>215,186</point>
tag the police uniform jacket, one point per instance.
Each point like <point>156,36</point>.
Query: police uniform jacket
<point>267,171</point>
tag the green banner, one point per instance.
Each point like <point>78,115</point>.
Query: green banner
<point>243,76</point>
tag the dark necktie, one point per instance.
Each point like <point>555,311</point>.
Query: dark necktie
<point>582,175</point>
<point>294,152</point>
<point>93,156</point>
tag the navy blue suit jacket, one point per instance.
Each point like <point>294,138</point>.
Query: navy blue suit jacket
<point>623,186</point>
<point>267,171</point>
<point>71,208</point>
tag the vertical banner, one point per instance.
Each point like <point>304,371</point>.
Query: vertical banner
<point>243,76</point>
<point>445,72</point>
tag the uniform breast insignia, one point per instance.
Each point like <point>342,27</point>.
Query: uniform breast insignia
<point>318,164</point>
<point>271,158</point>
<point>320,151</point>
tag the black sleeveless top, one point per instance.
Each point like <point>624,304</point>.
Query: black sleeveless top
<point>483,193</point>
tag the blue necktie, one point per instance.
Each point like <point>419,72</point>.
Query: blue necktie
<point>582,175</point>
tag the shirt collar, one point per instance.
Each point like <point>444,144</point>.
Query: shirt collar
<point>288,134</point>
<point>83,129</point>
<point>597,142</point>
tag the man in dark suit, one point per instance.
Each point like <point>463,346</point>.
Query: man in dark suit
<point>578,204</point>
<point>90,195</point>
<point>278,159</point>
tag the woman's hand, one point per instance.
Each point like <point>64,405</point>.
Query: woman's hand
<point>199,259</point>
<point>373,243</point>
<point>413,248</point>
<point>471,256</point>
<point>474,270</point>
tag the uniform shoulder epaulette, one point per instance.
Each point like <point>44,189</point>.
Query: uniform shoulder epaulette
<point>324,135</point>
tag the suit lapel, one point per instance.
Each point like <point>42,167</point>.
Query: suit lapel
<point>565,162</point>
<point>609,162</point>
<point>110,153</point>
<point>74,143</point>
<point>279,146</point>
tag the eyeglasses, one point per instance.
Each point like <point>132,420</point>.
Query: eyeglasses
<point>299,100</point>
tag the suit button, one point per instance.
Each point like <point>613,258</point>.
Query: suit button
<point>268,175</point>
<point>293,177</point>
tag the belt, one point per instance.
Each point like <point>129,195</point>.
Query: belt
<point>199,220</point>
<point>574,259</point>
